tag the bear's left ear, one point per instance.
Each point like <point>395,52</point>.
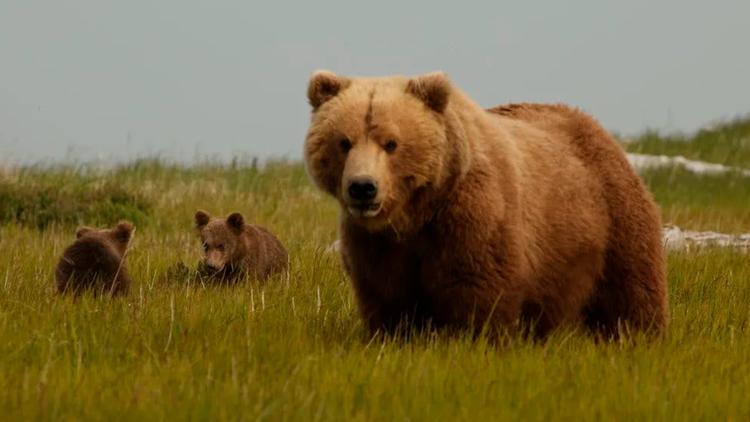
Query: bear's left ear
<point>323,86</point>
<point>236,221</point>
<point>432,88</point>
<point>123,231</point>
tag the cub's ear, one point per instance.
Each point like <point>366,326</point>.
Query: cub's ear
<point>323,86</point>
<point>236,221</point>
<point>201,219</point>
<point>82,231</point>
<point>432,88</point>
<point>123,231</point>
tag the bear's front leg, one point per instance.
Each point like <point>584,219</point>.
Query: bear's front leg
<point>384,277</point>
<point>377,315</point>
<point>391,316</point>
<point>388,303</point>
<point>478,307</point>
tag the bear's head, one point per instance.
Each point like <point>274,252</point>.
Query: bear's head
<point>381,146</point>
<point>223,246</point>
<point>118,236</point>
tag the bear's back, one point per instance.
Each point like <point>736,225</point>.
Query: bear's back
<point>594,146</point>
<point>271,256</point>
<point>571,135</point>
<point>90,262</point>
<point>562,188</point>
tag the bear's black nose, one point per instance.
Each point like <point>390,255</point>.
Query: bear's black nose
<point>363,189</point>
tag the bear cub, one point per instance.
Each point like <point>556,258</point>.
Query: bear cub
<point>233,248</point>
<point>96,261</point>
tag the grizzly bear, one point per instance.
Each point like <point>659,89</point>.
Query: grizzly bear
<point>233,248</point>
<point>96,261</point>
<point>526,215</point>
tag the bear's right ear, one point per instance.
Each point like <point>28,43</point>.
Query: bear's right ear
<point>123,231</point>
<point>201,219</point>
<point>236,221</point>
<point>323,86</point>
<point>82,231</point>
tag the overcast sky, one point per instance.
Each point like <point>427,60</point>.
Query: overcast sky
<point>98,79</point>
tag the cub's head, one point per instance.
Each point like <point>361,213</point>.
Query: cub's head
<point>221,238</point>
<point>379,145</point>
<point>118,236</point>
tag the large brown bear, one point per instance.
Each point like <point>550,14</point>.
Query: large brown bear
<point>96,262</point>
<point>233,248</point>
<point>467,218</point>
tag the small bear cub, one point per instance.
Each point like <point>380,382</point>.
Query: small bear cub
<point>233,248</point>
<point>96,261</point>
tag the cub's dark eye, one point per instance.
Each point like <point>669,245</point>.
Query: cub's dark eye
<point>390,146</point>
<point>345,145</point>
<point>220,246</point>
<point>205,246</point>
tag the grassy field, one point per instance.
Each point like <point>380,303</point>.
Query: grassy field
<point>294,349</point>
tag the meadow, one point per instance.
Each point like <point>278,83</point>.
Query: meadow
<point>293,348</point>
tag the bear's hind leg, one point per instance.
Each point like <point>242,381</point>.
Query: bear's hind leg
<point>632,295</point>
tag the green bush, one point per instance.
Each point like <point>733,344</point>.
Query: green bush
<point>42,201</point>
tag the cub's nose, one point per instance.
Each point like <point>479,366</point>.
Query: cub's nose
<point>363,189</point>
<point>209,266</point>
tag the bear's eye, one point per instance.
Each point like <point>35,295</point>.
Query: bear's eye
<point>220,246</point>
<point>390,146</point>
<point>205,246</point>
<point>345,145</point>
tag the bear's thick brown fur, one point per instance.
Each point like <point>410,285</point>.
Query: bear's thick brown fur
<point>468,218</point>
<point>96,262</point>
<point>233,248</point>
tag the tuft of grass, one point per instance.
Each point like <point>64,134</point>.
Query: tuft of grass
<point>724,143</point>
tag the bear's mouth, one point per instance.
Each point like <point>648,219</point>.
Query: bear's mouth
<point>365,210</point>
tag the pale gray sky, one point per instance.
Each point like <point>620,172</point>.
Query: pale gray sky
<point>96,79</point>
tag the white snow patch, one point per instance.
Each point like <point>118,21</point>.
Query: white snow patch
<point>674,239</point>
<point>646,161</point>
<point>678,239</point>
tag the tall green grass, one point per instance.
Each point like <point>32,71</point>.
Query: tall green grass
<point>293,348</point>
<point>724,143</point>
<point>702,202</point>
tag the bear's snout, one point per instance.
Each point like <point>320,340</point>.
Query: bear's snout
<point>362,196</point>
<point>211,266</point>
<point>363,188</point>
<point>213,261</point>
<point>363,179</point>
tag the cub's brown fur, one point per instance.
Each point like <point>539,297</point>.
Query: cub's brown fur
<point>233,248</point>
<point>96,261</point>
<point>464,218</point>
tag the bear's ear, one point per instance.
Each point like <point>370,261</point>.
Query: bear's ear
<point>432,88</point>
<point>123,231</point>
<point>201,219</point>
<point>82,231</point>
<point>236,221</point>
<point>323,86</point>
